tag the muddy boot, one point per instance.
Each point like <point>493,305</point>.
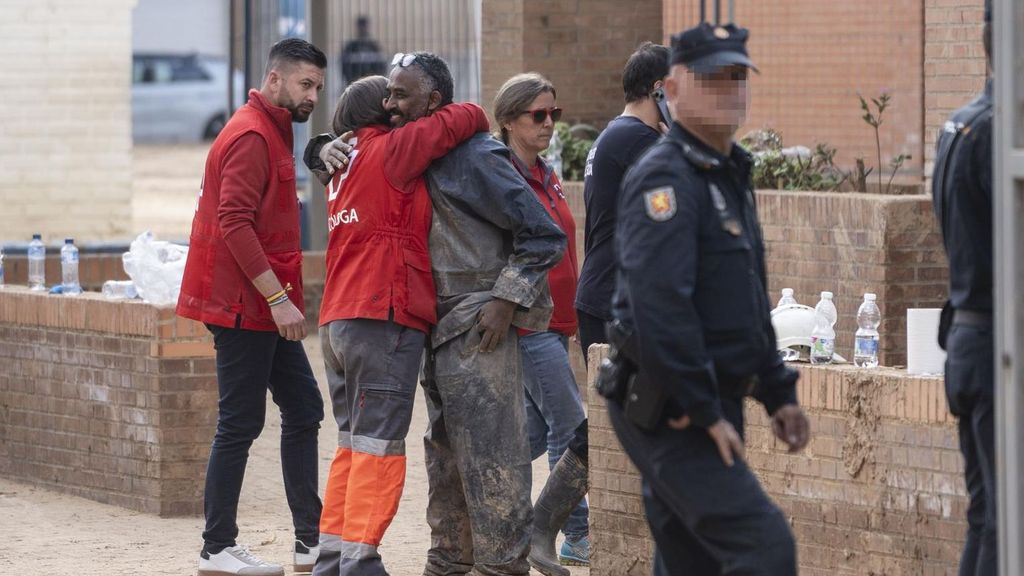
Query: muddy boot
<point>566,486</point>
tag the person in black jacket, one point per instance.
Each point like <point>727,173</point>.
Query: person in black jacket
<point>691,320</point>
<point>621,143</point>
<point>962,195</point>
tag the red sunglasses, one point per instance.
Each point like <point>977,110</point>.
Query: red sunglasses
<point>540,114</point>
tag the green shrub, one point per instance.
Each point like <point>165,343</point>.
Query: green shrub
<point>796,168</point>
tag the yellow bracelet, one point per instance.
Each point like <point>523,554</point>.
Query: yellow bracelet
<point>276,295</point>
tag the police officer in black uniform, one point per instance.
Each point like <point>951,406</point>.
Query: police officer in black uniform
<point>692,335</point>
<point>962,195</point>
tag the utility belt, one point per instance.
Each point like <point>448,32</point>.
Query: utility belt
<point>951,317</point>
<point>645,403</point>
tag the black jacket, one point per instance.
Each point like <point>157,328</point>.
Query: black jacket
<point>691,282</point>
<point>962,197</point>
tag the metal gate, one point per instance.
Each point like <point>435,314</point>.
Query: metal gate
<point>449,28</point>
<point>1008,217</point>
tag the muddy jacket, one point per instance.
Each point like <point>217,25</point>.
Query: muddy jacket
<point>490,238</point>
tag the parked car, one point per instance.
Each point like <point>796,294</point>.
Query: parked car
<point>180,97</point>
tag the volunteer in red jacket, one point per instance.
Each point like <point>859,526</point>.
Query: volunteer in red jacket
<point>243,279</point>
<point>526,111</point>
<point>378,307</point>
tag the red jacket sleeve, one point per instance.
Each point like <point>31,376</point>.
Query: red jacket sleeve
<point>244,177</point>
<point>413,147</point>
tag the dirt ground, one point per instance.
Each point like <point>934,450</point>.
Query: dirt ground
<point>43,532</point>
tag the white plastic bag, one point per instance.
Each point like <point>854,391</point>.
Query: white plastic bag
<point>156,267</point>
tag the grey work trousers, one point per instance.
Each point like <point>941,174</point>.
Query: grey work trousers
<point>372,367</point>
<point>478,461</point>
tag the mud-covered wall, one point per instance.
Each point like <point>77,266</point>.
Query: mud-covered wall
<point>879,490</point>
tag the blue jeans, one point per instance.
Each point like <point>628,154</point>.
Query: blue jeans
<point>249,363</point>
<point>553,407</point>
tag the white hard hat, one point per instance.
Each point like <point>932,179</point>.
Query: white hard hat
<point>793,325</point>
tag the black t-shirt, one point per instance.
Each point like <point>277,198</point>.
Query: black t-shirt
<point>615,150</point>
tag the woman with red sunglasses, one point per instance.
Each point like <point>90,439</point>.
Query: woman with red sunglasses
<point>525,110</point>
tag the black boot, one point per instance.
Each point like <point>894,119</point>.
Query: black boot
<point>566,486</point>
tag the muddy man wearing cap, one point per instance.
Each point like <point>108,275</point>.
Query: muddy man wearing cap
<point>692,335</point>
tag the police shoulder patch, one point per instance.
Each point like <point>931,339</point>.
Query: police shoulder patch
<point>660,203</point>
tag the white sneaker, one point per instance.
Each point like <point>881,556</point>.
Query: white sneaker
<point>236,560</point>
<point>305,557</point>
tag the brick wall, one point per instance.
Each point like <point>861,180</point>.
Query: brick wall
<point>580,45</point>
<point>954,62</point>
<point>816,56</point>
<point>878,490</point>
<point>112,401</point>
<point>850,244</point>
<point>65,128</point>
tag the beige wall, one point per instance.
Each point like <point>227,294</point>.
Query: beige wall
<point>65,124</point>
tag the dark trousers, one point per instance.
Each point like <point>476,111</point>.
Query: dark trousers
<point>706,519</point>
<point>591,331</point>
<point>249,363</point>
<point>970,389</point>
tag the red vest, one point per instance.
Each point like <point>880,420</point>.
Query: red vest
<point>214,289</point>
<point>562,279</point>
<point>379,212</point>
<point>377,256</point>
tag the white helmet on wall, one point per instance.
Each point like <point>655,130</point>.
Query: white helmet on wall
<point>793,325</point>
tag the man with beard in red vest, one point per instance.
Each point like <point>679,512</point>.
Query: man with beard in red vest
<point>243,280</point>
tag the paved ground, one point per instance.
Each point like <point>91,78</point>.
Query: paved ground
<point>42,532</point>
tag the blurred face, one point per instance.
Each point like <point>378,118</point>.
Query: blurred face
<point>715,102</point>
<point>296,87</point>
<point>409,96</point>
<point>530,132</point>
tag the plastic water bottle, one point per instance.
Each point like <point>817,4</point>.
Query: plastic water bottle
<point>865,347</point>
<point>787,298</point>
<point>37,263</point>
<point>119,290</point>
<point>823,337</point>
<point>69,268</point>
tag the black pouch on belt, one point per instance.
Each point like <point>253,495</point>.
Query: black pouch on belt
<point>945,323</point>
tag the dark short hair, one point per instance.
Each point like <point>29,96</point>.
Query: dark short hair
<point>361,105</point>
<point>293,50</point>
<point>647,65</point>
<point>436,71</point>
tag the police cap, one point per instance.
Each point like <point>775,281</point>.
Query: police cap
<point>705,48</point>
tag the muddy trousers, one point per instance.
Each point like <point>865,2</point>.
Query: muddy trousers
<point>372,368</point>
<point>707,519</point>
<point>478,462</point>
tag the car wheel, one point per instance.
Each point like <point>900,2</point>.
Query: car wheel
<point>214,126</point>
